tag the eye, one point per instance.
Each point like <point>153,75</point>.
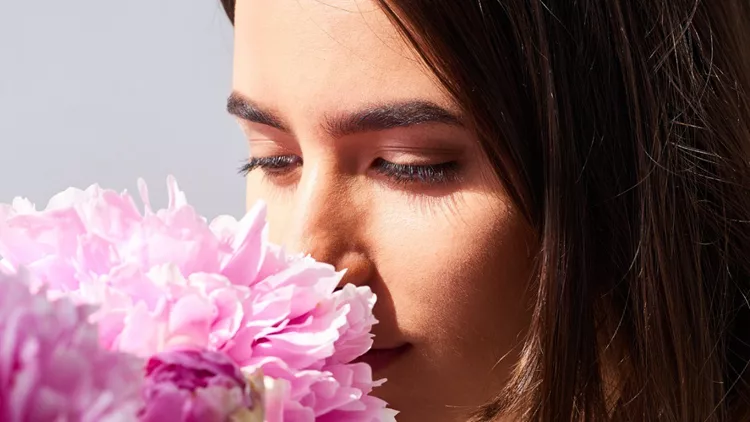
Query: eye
<point>429,174</point>
<point>277,165</point>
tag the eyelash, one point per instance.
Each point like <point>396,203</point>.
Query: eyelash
<point>427,174</point>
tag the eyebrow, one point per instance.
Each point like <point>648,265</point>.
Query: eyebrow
<point>369,119</point>
<point>245,109</point>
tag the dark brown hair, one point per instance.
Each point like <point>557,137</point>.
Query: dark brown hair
<point>622,130</point>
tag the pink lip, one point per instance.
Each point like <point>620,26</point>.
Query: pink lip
<point>379,359</point>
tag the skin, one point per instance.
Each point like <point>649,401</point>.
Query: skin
<point>449,259</point>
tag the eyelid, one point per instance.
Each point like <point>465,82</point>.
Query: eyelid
<point>418,157</point>
<point>266,147</point>
<point>422,150</point>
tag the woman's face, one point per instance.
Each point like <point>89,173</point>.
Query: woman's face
<point>364,163</point>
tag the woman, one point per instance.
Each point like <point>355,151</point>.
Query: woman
<point>550,199</point>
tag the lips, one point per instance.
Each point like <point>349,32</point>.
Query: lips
<point>379,359</point>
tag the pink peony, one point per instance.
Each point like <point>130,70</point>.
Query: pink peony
<point>200,386</point>
<point>169,279</point>
<point>51,365</point>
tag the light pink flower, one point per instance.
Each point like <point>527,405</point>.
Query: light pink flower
<point>51,365</point>
<point>169,279</point>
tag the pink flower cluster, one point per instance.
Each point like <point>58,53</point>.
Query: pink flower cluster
<point>169,280</point>
<point>51,366</point>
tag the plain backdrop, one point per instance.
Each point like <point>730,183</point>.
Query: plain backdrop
<point>106,91</point>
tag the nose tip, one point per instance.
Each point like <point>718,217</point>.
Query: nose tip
<point>336,242</point>
<point>338,250</point>
<point>359,269</point>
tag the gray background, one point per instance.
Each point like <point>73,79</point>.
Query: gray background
<point>108,91</point>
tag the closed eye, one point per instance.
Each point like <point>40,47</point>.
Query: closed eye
<point>428,174</point>
<point>277,164</point>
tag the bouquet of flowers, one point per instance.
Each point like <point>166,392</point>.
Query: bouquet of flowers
<point>112,314</point>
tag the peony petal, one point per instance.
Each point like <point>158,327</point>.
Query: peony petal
<point>242,267</point>
<point>142,333</point>
<point>177,198</point>
<point>190,319</point>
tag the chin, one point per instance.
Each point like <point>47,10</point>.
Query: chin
<point>411,398</point>
<point>414,391</point>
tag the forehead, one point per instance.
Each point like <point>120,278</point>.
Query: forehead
<point>306,57</point>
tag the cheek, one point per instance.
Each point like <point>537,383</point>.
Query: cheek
<point>278,204</point>
<point>459,265</point>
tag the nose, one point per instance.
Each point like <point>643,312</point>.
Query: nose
<point>328,224</point>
